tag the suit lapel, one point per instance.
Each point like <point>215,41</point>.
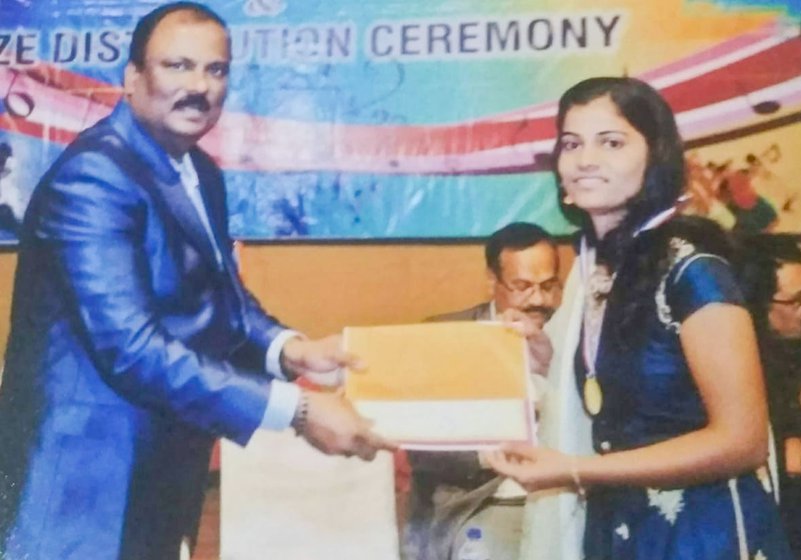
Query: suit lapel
<point>212,192</point>
<point>154,171</point>
<point>180,206</point>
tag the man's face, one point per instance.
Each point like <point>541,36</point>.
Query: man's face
<point>529,282</point>
<point>179,92</point>
<point>784,315</point>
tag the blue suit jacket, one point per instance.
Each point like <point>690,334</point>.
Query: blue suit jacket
<point>131,350</point>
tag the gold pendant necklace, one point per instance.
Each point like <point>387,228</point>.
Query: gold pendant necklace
<point>597,284</point>
<point>593,397</point>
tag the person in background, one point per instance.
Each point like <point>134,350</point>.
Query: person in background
<point>452,491</point>
<point>667,366</point>
<point>11,206</point>
<point>133,342</point>
<point>769,267</point>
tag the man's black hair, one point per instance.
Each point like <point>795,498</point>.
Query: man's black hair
<point>516,236</point>
<point>145,26</point>
<point>758,257</point>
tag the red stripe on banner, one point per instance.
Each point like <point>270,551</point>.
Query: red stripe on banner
<point>75,84</point>
<point>764,69</point>
<point>37,130</point>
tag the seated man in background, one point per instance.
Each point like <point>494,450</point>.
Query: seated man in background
<point>770,271</point>
<point>451,491</point>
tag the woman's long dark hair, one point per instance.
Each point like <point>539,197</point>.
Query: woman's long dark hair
<point>640,260</point>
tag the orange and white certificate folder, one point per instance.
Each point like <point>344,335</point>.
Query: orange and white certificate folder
<point>457,385</point>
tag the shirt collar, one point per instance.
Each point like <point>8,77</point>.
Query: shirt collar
<point>186,170</point>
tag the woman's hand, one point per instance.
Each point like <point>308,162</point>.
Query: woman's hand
<point>534,468</point>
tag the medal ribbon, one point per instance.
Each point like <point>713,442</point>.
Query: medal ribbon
<point>595,309</point>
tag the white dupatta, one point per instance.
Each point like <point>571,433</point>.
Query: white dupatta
<point>553,526</point>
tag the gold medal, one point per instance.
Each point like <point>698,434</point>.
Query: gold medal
<point>593,398</point>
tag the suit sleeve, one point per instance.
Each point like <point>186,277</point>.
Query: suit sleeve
<point>262,331</point>
<point>93,230</point>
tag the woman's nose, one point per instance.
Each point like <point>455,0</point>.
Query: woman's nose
<point>588,156</point>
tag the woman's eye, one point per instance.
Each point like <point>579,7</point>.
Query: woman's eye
<point>613,143</point>
<point>569,145</point>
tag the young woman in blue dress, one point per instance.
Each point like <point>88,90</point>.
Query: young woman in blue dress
<point>667,365</point>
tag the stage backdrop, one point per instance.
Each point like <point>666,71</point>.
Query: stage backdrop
<point>352,119</point>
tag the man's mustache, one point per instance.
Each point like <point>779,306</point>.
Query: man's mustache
<point>545,311</point>
<point>198,101</point>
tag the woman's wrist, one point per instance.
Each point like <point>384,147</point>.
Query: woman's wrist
<point>575,476</point>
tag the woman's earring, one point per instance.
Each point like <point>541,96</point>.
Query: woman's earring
<point>567,200</point>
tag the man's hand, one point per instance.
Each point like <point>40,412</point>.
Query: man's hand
<point>539,345</point>
<point>318,359</point>
<point>334,427</point>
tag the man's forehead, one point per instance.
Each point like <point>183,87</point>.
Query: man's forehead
<point>176,32</point>
<point>789,277</point>
<point>540,260</point>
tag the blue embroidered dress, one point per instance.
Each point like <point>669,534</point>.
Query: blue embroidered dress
<point>649,396</point>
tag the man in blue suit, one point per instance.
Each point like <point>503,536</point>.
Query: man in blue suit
<point>133,343</point>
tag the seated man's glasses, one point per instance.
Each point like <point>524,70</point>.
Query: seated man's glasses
<point>525,289</point>
<point>795,301</point>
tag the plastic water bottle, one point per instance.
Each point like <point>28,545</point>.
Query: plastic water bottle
<point>474,548</point>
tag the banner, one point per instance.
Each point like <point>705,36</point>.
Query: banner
<point>397,119</point>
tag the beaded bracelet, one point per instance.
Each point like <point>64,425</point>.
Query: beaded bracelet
<point>301,414</point>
